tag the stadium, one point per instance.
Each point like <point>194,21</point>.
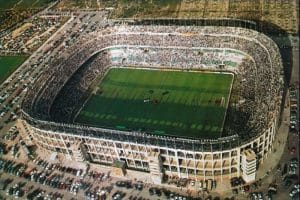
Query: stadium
<point>197,102</point>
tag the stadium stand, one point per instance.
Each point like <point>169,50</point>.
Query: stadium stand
<point>57,96</point>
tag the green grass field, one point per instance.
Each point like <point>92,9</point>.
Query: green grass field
<point>184,104</point>
<point>9,64</point>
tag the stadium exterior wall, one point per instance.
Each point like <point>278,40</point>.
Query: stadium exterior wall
<point>179,162</point>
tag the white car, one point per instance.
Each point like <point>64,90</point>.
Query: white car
<point>192,183</point>
<point>297,187</point>
<point>292,193</point>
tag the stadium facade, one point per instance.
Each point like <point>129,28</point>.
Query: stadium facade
<point>49,108</point>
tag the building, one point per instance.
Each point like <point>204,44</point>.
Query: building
<point>248,165</point>
<point>163,156</point>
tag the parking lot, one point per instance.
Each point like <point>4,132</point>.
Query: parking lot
<point>54,181</point>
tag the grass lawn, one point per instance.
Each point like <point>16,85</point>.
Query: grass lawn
<point>9,64</point>
<point>184,104</point>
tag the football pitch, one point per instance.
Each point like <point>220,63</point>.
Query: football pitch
<point>177,103</point>
<point>8,64</point>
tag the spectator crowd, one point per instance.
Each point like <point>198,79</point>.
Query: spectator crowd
<point>66,84</point>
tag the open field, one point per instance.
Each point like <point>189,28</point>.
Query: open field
<point>8,64</point>
<point>185,104</point>
<point>14,11</point>
<point>278,12</point>
<point>24,4</point>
